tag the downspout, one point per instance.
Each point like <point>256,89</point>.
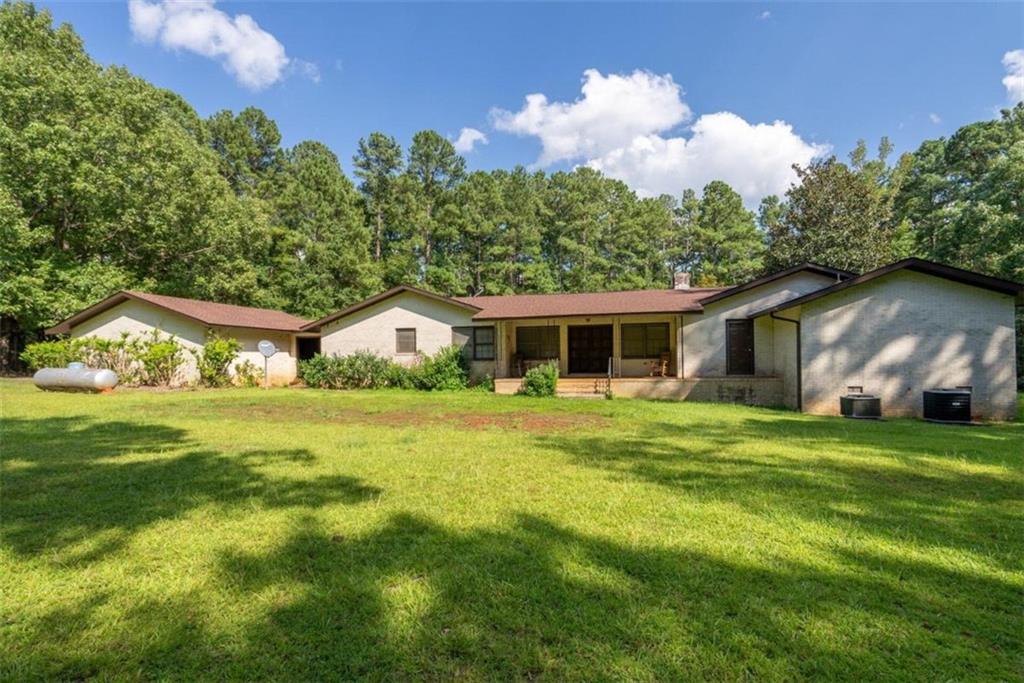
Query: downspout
<point>799,366</point>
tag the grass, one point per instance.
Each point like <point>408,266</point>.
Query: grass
<point>300,534</point>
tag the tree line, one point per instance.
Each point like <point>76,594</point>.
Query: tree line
<point>108,182</point>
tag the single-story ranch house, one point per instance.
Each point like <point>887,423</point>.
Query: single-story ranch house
<point>800,338</point>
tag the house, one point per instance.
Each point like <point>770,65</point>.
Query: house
<point>801,337</point>
<point>192,322</point>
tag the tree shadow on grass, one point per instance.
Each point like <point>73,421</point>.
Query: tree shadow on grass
<point>72,480</point>
<point>535,600</point>
<point>899,481</point>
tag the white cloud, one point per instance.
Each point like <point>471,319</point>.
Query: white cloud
<point>253,56</point>
<point>755,159</point>
<point>935,118</point>
<point>620,126</point>
<point>468,138</point>
<point>765,15</point>
<point>1014,79</point>
<point>612,111</point>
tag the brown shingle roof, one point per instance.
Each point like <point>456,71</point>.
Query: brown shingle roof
<point>918,265</point>
<point>317,324</point>
<point>591,303</point>
<point>205,312</point>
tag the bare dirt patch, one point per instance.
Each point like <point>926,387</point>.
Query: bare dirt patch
<point>532,422</point>
<point>536,423</point>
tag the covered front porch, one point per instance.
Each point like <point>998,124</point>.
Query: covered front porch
<point>636,356</point>
<point>635,346</point>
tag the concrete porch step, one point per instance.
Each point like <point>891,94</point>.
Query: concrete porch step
<point>579,394</point>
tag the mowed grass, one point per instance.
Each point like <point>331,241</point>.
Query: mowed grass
<point>299,534</point>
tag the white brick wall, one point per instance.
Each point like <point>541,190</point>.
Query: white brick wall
<point>906,332</point>
<point>373,328</point>
<point>704,334</point>
<point>139,318</point>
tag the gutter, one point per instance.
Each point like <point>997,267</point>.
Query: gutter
<point>799,359</point>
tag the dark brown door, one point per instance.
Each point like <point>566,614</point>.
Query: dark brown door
<point>590,347</point>
<point>739,347</point>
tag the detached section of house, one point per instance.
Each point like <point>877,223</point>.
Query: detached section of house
<point>192,322</point>
<point>799,338</point>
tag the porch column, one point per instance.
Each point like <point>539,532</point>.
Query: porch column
<point>563,346</point>
<point>617,347</point>
<point>679,347</point>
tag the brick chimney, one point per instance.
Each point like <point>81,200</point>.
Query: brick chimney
<point>681,281</point>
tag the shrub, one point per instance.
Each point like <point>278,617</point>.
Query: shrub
<point>149,359</point>
<point>319,371</point>
<point>361,370</point>
<point>161,358</point>
<point>120,355</point>
<point>55,354</point>
<point>366,370</point>
<point>248,374</point>
<point>444,371</point>
<point>214,359</point>
<point>540,381</point>
<point>402,377</point>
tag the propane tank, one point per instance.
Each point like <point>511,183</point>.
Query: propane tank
<point>75,377</point>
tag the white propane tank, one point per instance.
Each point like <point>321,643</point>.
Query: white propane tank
<point>74,378</point>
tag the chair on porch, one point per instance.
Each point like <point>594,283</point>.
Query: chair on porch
<point>659,368</point>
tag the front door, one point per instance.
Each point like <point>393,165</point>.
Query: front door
<point>590,347</point>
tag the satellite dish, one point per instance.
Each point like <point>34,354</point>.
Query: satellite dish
<point>267,348</point>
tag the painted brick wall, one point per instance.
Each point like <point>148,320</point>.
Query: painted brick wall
<point>139,318</point>
<point>907,332</point>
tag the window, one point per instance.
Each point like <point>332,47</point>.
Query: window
<point>739,347</point>
<point>537,343</point>
<point>645,340</point>
<point>483,343</point>
<point>405,340</point>
<point>477,343</point>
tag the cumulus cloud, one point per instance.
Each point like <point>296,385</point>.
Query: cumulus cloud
<point>765,15</point>
<point>468,138</point>
<point>621,125</point>
<point>1014,79</point>
<point>935,118</point>
<point>612,111</point>
<point>253,56</point>
<point>755,159</point>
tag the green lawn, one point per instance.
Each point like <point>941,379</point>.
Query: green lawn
<point>300,534</point>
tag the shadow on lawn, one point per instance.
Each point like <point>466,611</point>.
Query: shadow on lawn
<point>900,481</point>
<point>415,600</point>
<point>72,480</point>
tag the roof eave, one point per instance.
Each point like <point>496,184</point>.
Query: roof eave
<point>384,296</point>
<point>602,314</point>
<point>766,279</point>
<point>916,265</point>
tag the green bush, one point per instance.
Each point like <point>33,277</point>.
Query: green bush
<point>120,355</point>
<point>161,358</point>
<point>214,360</point>
<point>318,372</point>
<point>402,377</point>
<point>365,370</point>
<point>446,370</point>
<point>55,354</point>
<point>361,370</point>
<point>540,381</point>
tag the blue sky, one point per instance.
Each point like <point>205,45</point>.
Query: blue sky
<point>677,93</point>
